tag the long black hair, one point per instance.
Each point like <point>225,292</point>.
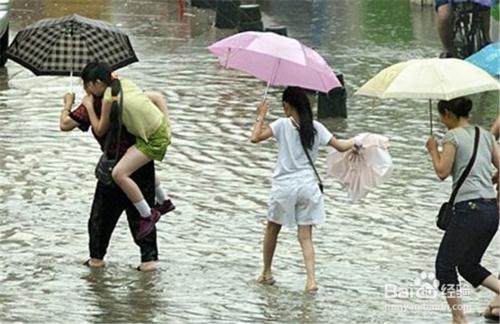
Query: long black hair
<point>101,71</point>
<point>297,98</point>
<point>460,107</point>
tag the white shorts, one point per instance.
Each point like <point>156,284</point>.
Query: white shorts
<point>296,202</point>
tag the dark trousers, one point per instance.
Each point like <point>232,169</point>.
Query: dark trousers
<point>109,203</point>
<point>471,230</point>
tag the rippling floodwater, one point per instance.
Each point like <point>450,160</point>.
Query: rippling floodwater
<point>210,247</point>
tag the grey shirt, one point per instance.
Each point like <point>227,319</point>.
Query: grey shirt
<point>478,183</point>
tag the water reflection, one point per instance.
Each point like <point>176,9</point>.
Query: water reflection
<point>340,22</point>
<point>210,248</point>
<point>4,79</point>
<point>299,307</point>
<point>122,297</point>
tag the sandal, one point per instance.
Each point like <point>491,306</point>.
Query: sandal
<point>489,313</point>
<point>266,281</point>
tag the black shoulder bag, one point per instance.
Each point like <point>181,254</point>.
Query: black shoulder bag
<point>447,210</point>
<point>105,165</point>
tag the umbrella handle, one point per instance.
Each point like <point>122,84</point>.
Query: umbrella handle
<point>272,79</point>
<point>267,89</point>
<point>71,55</point>
<point>430,113</point>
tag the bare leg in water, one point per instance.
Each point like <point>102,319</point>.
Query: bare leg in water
<point>493,308</point>
<point>454,300</point>
<point>148,266</point>
<point>485,24</point>
<point>270,239</point>
<point>305,239</point>
<point>492,283</point>
<point>444,27</point>
<point>96,263</point>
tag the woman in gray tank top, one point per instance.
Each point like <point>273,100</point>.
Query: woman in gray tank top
<point>475,218</point>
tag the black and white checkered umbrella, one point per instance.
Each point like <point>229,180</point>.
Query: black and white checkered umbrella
<point>63,46</point>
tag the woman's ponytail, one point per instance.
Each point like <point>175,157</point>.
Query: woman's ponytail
<point>297,98</point>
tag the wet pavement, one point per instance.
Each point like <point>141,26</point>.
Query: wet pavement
<point>210,247</point>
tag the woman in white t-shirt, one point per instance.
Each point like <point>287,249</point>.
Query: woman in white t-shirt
<point>296,199</point>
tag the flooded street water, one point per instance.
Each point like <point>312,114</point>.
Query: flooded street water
<point>210,247</point>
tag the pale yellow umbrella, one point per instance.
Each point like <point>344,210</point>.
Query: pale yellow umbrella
<point>433,78</point>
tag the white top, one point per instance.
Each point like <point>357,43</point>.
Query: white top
<point>292,161</point>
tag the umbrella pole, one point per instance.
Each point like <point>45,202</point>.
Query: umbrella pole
<point>430,113</point>
<point>267,89</point>
<point>71,55</point>
<point>272,79</point>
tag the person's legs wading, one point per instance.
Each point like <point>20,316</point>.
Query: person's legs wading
<point>485,24</point>
<point>447,259</point>
<point>144,177</point>
<point>485,214</point>
<point>270,240</point>
<point>305,239</point>
<point>459,238</point>
<point>280,213</point>
<point>108,204</point>
<point>482,216</point>
<point>444,11</point>
<point>309,211</point>
<point>492,311</point>
<point>471,268</point>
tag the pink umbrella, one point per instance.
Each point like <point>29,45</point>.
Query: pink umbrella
<point>276,59</point>
<point>363,170</point>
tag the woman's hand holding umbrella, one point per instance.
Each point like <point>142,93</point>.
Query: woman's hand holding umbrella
<point>259,133</point>
<point>262,109</point>
<point>432,144</point>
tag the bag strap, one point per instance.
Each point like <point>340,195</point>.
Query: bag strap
<point>109,135</point>
<point>312,164</point>
<point>466,172</point>
<point>307,154</point>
